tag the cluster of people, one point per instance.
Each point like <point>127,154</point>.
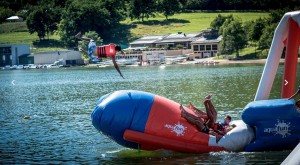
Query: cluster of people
<point>206,121</point>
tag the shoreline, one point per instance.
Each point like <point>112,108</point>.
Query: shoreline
<point>204,62</point>
<point>254,61</point>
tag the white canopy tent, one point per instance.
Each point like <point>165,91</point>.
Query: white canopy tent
<point>15,19</point>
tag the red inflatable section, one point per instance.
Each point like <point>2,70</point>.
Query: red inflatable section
<point>291,59</point>
<point>166,129</point>
<point>151,142</point>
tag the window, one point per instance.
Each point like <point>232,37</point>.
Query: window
<point>196,47</point>
<point>208,47</point>
<point>202,48</point>
<point>215,47</point>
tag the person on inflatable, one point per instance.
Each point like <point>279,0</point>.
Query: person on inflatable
<point>97,52</point>
<point>294,95</point>
<point>206,122</point>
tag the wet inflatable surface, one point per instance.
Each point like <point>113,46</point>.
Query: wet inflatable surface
<point>143,120</point>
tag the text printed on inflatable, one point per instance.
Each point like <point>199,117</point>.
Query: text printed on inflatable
<point>281,128</point>
<point>177,128</point>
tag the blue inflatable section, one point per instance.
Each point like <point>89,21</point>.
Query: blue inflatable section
<point>276,123</point>
<point>121,110</point>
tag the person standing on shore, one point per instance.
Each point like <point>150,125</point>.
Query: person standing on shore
<point>98,52</point>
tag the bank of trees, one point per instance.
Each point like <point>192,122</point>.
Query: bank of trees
<point>67,17</point>
<point>236,35</point>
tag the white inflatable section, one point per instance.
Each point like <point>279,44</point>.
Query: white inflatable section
<point>267,78</point>
<point>238,137</point>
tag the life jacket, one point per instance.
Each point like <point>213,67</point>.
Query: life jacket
<point>219,128</point>
<point>106,51</point>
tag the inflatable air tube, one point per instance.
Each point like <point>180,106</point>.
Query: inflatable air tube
<point>142,120</point>
<point>276,123</point>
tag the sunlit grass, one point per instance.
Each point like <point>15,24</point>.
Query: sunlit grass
<point>185,22</point>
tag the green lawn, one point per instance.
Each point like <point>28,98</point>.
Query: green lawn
<point>185,22</point>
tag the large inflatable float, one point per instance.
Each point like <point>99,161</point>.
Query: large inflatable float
<point>146,121</point>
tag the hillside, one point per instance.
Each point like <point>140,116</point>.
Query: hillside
<point>184,22</point>
<point>129,30</point>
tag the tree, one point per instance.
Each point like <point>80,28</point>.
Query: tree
<point>84,15</point>
<point>140,9</point>
<point>227,21</point>
<point>5,13</point>
<point>169,7</point>
<point>43,18</point>
<point>234,38</point>
<point>218,22</point>
<point>267,36</point>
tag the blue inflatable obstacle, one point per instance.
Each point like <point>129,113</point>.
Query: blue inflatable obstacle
<point>276,123</point>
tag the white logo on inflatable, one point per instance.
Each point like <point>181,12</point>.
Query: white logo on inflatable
<point>281,128</point>
<point>177,128</point>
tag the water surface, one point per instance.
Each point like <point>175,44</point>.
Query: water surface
<point>59,103</point>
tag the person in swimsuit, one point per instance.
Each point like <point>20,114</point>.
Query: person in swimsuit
<point>206,122</point>
<point>96,52</point>
<point>203,121</point>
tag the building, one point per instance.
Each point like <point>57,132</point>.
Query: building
<point>177,41</point>
<point>66,57</point>
<point>195,45</point>
<point>207,45</point>
<point>14,54</point>
<point>146,41</point>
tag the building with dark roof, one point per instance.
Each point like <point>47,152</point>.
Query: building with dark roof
<point>177,40</point>
<point>147,41</point>
<point>201,45</point>
<point>207,45</point>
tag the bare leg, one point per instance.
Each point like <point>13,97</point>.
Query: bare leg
<point>198,123</point>
<point>199,112</point>
<point>211,113</point>
<point>79,36</point>
<point>189,115</point>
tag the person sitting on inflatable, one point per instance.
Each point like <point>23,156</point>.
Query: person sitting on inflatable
<point>206,122</point>
<point>101,51</point>
<point>294,95</point>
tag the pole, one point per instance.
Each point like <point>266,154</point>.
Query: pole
<point>291,60</point>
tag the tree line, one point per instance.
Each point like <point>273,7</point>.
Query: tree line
<point>237,35</point>
<point>67,17</point>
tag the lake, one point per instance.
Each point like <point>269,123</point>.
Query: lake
<point>59,103</point>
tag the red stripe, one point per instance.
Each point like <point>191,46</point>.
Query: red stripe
<point>166,143</point>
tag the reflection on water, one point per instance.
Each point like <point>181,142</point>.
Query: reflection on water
<point>59,103</point>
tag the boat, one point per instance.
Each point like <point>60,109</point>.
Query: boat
<point>6,67</point>
<point>13,67</point>
<point>32,66</point>
<point>20,67</point>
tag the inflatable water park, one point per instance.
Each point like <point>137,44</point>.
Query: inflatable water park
<point>146,121</point>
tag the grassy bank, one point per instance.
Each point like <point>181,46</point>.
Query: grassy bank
<point>184,22</point>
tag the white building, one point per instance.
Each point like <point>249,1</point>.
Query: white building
<point>10,53</point>
<point>66,57</point>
